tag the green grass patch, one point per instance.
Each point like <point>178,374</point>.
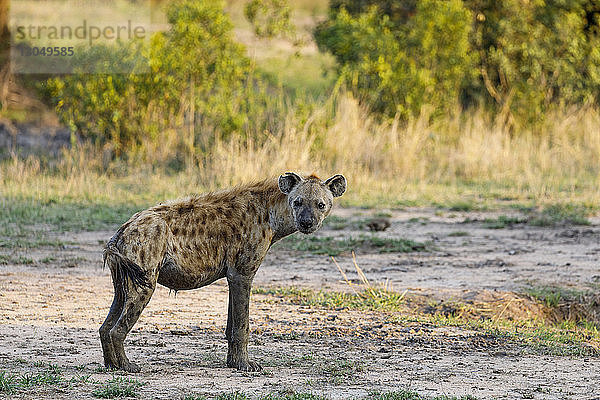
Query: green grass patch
<point>293,396</point>
<point>43,378</point>
<point>118,386</point>
<point>464,205</point>
<point>458,234</point>
<point>411,395</point>
<point>31,224</point>
<point>553,296</point>
<point>82,379</point>
<point>567,338</point>
<point>339,371</point>
<point>9,259</point>
<point>231,396</point>
<point>364,299</point>
<point>10,383</point>
<point>562,339</point>
<point>562,214</point>
<point>366,243</point>
<point>63,216</point>
<point>549,216</point>
<point>336,223</point>
<point>339,223</point>
<point>503,221</point>
<point>29,240</point>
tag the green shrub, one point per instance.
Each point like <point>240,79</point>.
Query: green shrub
<point>537,55</point>
<point>200,85</point>
<point>398,65</point>
<point>518,58</point>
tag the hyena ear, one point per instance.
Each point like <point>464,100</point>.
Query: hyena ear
<point>287,182</point>
<point>337,185</point>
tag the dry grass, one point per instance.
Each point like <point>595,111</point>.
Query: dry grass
<point>429,162</point>
<point>419,163</point>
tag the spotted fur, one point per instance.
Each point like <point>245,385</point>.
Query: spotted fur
<point>192,242</point>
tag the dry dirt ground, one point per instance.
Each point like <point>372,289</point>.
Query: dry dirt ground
<point>50,312</point>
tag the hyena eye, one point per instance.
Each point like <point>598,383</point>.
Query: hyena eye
<point>321,205</point>
<point>297,202</point>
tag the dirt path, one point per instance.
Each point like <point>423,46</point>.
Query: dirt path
<point>50,312</point>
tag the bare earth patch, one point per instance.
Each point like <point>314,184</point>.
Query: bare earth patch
<point>51,309</point>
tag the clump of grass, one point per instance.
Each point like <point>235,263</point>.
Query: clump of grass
<point>463,205</point>
<point>292,396</point>
<point>503,221</point>
<point>336,223</point>
<point>411,395</point>
<point>373,300</point>
<point>232,396</point>
<point>553,296</point>
<point>5,260</point>
<point>458,234</point>
<point>29,241</point>
<point>340,371</point>
<point>566,338</point>
<point>333,247</point>
<point>577,338</point>
<point>364,296</point>
<point>43,378</point>
<point>8,382</point>
<point>337,372</point>
<point>11,382</point>
<point>193,397</point>
<point>561,214</point>
<point>552,215</point>
<point>118,387</point>
<point>62,216</point>
<point>81,378</point>
<point>26,223</point>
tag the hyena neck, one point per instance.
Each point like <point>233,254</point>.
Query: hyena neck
<point>281,219</point>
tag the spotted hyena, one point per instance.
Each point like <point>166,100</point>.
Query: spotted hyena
<point>190,243</point>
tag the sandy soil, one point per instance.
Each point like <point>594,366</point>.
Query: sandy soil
<point>50,312</point>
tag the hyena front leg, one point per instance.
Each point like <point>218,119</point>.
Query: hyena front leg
<point>238,322</point>
<point>229,327</point>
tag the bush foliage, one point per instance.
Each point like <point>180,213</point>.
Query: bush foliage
<point>396,63</point>
<point>518,58</point>
<point>201,84</point>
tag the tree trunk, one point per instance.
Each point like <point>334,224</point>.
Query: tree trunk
<point>3,20</point>
<point>4,53</point>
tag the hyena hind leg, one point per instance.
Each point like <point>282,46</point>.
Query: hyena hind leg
<point>108,351</point>
<point>136,300</point>
<point>134,255</point>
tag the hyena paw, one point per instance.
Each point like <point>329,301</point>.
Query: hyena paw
<point>245,365</point>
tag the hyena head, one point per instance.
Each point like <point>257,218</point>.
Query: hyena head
<point>310,199</point>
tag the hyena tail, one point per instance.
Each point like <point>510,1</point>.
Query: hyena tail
<point>122,267</point>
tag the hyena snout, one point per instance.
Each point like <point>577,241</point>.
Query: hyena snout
<point>307,222</point>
